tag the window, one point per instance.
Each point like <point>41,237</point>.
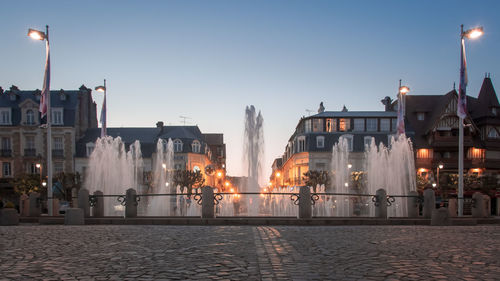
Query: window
<point>30,117</point>
<point>5,116</point>
<point>58,143</point>
<point>5,143</point>
<point>177,146</point>
<point>6,169</point>
<point>30,142</point>
<point>390,138</point>
<point>494,111</point>
<point>446,154</point>
<point>178,167</point>
<point>320,141</point>
<point>58,167</point>
<point>344,124</point>
<point>420,116</point>
<point>331,125</point>
<point>302,144</point>
<point>371,124</point>
<point>368,141</point>
<point>317,125</point>
<point>90,148</point>
<point>57,116</point>
<point>359,124</point>
<point>31,168</point>
<point>307,125</point>
<point>394,125</point>
<point>385,125</point>
<point>493,134</point>
<point>196,146</point>
<point>349,139</point>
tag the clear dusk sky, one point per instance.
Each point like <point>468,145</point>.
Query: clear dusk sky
<point>207,60</point>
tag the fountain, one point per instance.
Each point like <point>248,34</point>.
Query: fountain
<point>391,168</point>
<point>112,169</point>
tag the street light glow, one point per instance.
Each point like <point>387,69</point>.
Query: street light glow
<point>35,34</point>
<point>404,90</point>
<point>38,165</point>
<point>278,174</point>
<point>441,166</point>
<point>474,32</point>
<point>101,89</point>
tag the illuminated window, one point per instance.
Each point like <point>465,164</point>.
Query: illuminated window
<point>344,124</point>
<point>424,153</point>
<point>331,125</point>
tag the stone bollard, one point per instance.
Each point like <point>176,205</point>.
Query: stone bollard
<point>440,216</point>
<point>413,204</point>
<point>305,203</point>
<point>98,209</point>
<point>74,197</point>
<point>24,205</point>
<point>74,216</point>
<point>478,208</point>
<point>207,203</point>
<point>429,203</point>
<point>381,209</point>
<point>487,206</point>
<point>453,207</point>
<point>83,201</point>
<point>131,203</point>
<point>34,205</point>
<point>9,216</point>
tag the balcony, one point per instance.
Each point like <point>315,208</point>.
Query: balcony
<point>58,153</point>
<point>449,141</point>
<point>29,152</point>
<point>6,152</point>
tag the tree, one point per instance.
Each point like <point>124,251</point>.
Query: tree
<point>358,180</point>
<point>315,178</point>
<point>28,183</point>
<point>189,179</point>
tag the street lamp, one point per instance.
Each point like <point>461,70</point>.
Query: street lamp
<point>439,167</point>
<point>102,89</point>
<point>403,90</point>
<point>462,110</point>
<point>45,108</point>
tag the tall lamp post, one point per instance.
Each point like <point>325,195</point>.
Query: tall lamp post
<point>45,109</point>
<point>102,89</point>
<point>462,110</point>
<point>439,167</point>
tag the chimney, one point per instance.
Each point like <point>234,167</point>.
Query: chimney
<point>159,124</point>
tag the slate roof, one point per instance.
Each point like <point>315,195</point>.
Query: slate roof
<point>147,136</point>
<point>69,105</point>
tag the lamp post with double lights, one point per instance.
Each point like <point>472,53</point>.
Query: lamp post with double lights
<point>462,110</point>
<point>45,102</point>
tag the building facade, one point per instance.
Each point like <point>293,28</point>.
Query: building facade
<point>24,138</point>
<point>193,150</point>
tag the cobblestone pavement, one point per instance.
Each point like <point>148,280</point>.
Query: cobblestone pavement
<point>127,252</point>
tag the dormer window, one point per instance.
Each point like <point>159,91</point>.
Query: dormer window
<point>420,116</point>
<point>5,118</point>
<point>13,97</point>
<point>177,145</point>
<point>493,134</point>
<point>196,146</point>
<point>62,95</point>
<point>494,111</point>
<point>30,117</point>
<point>57,116</point>
<point>90,148</point>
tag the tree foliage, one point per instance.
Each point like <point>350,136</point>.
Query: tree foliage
<point>188,179</point>
<point>28,183</point>
<point>315,178</point>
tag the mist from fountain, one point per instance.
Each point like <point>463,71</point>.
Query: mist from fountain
<point>112,169</point>
<point>340,176</point>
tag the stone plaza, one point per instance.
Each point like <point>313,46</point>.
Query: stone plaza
<point>170,252</point>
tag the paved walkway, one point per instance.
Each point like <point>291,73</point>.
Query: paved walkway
<point>146,252</point>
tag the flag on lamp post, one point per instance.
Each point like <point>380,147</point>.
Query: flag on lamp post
<point>46,83</point>
<point>103,117</point>
<point>462,97</point>
<point>401,117</point>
